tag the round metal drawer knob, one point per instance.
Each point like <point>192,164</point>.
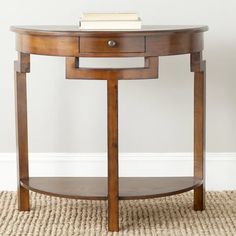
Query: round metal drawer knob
<point>111,43</point>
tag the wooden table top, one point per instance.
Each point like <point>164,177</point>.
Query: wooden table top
<point>74,30</point>
<point>70,41</point>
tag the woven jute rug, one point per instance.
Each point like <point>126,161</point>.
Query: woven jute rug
<point>173,215</point>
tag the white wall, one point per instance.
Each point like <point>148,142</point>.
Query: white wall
<point>155,115</point>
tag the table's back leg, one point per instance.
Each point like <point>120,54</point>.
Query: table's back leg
<point>113,179</point>
<point>22,66</point>
<point>198,66</point>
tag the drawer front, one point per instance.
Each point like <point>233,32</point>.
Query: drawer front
<point>112,45</point>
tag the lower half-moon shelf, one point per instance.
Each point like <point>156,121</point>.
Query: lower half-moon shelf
<point>96,187</point>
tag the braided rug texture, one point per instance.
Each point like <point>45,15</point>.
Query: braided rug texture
<point>52,216</point>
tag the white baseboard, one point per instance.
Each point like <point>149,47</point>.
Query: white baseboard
<point>220,167</point>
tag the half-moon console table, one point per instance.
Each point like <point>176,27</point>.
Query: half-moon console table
<point>150,42</point>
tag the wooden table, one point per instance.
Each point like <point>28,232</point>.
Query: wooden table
<point>150,42</point>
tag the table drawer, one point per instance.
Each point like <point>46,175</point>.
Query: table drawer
<point>112,45</point>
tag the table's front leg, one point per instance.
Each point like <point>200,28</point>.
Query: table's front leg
<point>22,66</point>
<point>113,179</point>
<point>198,66</point>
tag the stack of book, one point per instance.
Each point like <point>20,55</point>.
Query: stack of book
<point>110,21</point>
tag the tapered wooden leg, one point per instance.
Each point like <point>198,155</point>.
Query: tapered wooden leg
<point>198,67</point>
<point>21,68</point>
<point>113,181</point>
